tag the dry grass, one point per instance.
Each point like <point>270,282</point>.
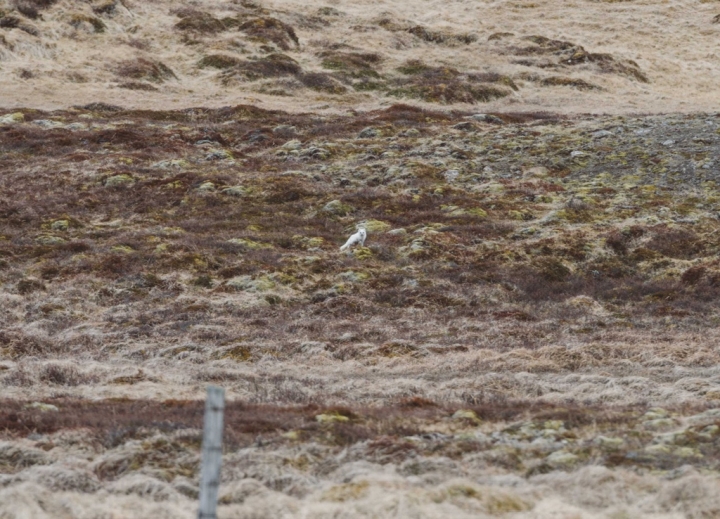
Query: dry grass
<point>625,65</point>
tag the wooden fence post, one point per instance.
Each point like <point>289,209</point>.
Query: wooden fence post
<point>211,452</point>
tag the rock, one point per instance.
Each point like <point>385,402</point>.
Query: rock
<point>284,130</point>
<point>687,452</point>
<point>248,284</point>
<point>668,142</point>
<point>369,133</point>
<point>555,425</point>
<point>362,253</point>
<point>655,413</point>
<point>42,407</point>
<point>538,171</point>
<point>312,348</point>
<point>119,180</point>
<point>658,449</point>
<point>291,435</point>
<point>708,417</point>
<point>451,175</point>
<point>453,210</point>
<point>709,433</point>
<point>316,153</point>
<point>397,232</point>
<point>353,276</point>
<point>122,249</point>
<point>609,443</point>
<point>466,414</point>
<point>374,226</point>
<point>660,424</point>
<point>464,126</point>
<point>60,225</point>
<point>234,191</point>
<point>602,133</point>
<point>218,155</point>
<point>331,418</point>
<point>143,486</point>
<point>50,240</point>
<point>19,456</point>
<point>487,118</point>
<point>206,143</point>
<point>171,163</point>
<point>63,477</point>
<point>240,491</point>
<point>48,124</point>
<point>206,186</point>
<point>417,247</point>
<point>562,459</point>
<point>186,487</point>
<point>672,438</point>
<point>494,187</point>
<point>576,153</point>
<point>412,132</point>
<point>250,244</point>
<point>292,145</point>
<point>17,117</point>
<point>336,207</point>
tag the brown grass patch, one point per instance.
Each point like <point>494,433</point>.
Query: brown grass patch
<point>267,29</point>
<point>141,68</point>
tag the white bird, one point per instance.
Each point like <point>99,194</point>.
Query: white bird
<point>358,237</point>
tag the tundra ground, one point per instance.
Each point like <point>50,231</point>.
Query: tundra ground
<point>530,329</point>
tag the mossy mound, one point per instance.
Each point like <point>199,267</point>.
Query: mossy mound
<point>79,20</point>
<point>426,34</point>
<point>447,85</point>
<point>431,36</point>
<point>270,30</point>
<point>141,68</point>
<point>273,65</point>
<point>13,22</point>
<point>138,85</point>
<point>220,61</point>
<point>106,7</point>
<point>355,64</point>
<point>547,53</point>
<point>568,82</point>
<point>322,83</point>
<point>199,22</point>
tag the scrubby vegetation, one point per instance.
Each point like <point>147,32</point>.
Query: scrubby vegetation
<point>529,328</point>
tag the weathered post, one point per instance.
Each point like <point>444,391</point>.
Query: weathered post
<point>211,452</point>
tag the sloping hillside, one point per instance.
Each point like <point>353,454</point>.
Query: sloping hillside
<point>531,323</point>
<point>583,56</point>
